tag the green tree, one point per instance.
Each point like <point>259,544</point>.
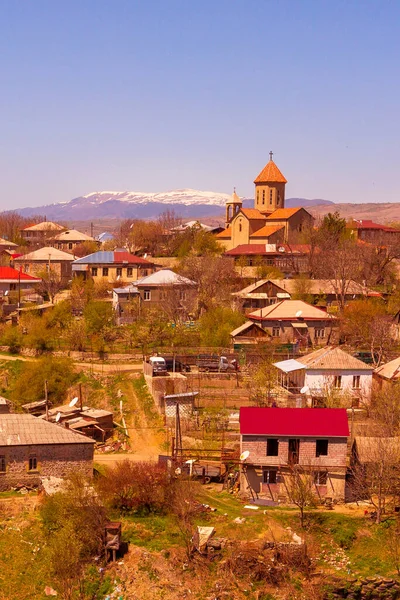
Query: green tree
<point>216,324</point>
<point>28,386</point>
<point>98,316</point>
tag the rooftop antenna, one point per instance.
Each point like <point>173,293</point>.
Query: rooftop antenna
<point>46,399</point>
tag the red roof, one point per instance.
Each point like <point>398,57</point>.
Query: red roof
<point>130,258</point>
<point>368,224</point>
<point>15,275</point>
<point>297,422</point>
<point>260,250</point>
<point>270,173</point>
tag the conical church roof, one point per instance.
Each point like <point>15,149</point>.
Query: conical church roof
<point>270,173</point>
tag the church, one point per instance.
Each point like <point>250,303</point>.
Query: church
<point>269,222</point>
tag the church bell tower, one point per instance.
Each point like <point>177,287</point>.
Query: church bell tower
<point>270,188</point>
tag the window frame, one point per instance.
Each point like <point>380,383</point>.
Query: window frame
<point>337,379</point>
<point>119,271</point>
<point>147,295</point>
<point>32,463</point>
<point>324,451</point>
<point>129,271</point>
<point>356,382</point>
<point>105,271</point>
<point>272,447</point>
<point>267,476</point>
<point>94,271</point>
<point>3,463</point>
<point>274,329</point>
<point>320,477</point>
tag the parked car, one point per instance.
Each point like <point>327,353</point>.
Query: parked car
<point>159,365</point>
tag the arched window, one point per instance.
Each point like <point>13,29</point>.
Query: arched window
<point>240,226</point>
<point>258,196</point>
<point>278,201</point>
<point>263,197</point>
<point>270,196</point>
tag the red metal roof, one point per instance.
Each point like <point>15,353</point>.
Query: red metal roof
<point>296,422</point>
<point>130,258</point>
<point>260,250</point>
<point>368,224</point>
<point>15,275</point>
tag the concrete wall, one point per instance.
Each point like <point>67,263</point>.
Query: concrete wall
<point>323,380</point>
<point>57,460</point>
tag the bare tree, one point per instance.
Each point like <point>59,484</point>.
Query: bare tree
<point>300,488</point>
<point>50,285</point>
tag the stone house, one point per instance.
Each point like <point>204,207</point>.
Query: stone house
<point>70,239</point>
<point>327,373</point>
<point>111,266</point>
<point>276,441</point>
<point>290,259</point>
<point>295,321</point>
<point>39,233</point>
<point>44,260</point>
<point>31,448</point>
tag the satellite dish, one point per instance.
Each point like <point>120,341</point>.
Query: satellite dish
<point>73,401</point>
<point>6,293</point>
<point>305,390</point>
<point>281,249</point>
<point>145,255</point>
<point>299,313</point>
<point>58,417</point>
<point>244,455</point>
<point>191,461</point>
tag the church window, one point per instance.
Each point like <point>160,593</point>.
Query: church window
<point>240,227</point>
<point>270,196</point>
<point>279,199</point>
<point>258,196</point>
<point>263,197</point>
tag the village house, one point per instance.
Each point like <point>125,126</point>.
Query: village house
<point>14,280</point>
<point>274,442</point>
<point>70,240</point>
<point>39,233</point>
<point>164,288</point>
<point>320,291</point>
<point>269,222</point>
<point>44,260</point>
<point>111,266</point>
<point>326,376</point>
<point>95,423</point>
<point>32,448</point>
<point>374,233</point>
<point>290,260</point>
<point>387,374</point>
<point>249,333</point>
<point>7,245</point>
<point>295,321</point>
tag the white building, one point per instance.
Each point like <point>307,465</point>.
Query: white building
<point>327,373</point>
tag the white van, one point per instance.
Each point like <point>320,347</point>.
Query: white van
<point>159,365</point>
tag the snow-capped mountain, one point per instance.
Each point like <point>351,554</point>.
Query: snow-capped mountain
<point>187,203</point>
<point>117,205</point>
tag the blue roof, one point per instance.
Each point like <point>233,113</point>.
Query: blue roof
<point>102,257</point>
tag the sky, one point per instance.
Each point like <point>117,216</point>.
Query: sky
<point>158,95</point>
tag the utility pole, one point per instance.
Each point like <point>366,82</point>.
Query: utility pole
<point>46,399</point>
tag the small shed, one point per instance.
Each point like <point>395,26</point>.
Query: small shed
<point>185,401</point>
<point>249,333</point>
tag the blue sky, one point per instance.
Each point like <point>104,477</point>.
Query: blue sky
<point>158,95</point>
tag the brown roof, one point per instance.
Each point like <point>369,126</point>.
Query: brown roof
<point>245,327</point>
<point>227,233</point>
<point>266,231</point>
<point>310,286</point>
<point>253,214</point>
<point>26,430</point>
<point>390,370</point>
<point>283,213</point>
<point>287,310</point>
<point>333,358</point>
<point>270,173</point>
<point>44,226</point>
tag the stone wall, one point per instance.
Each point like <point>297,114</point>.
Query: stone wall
<point>57,460</point>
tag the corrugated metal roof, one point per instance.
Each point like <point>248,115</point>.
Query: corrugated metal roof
<point>288,310</point>
<point>164,277</point>
<point>333,358</point>
<point>301,422</point>
<point>287,366</point>
<point>47,253</point>
<point>26,430</point>
<point>108,257</point>
<point>390,370</point>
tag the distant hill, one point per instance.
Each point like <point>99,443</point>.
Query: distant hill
<point>187,203</point>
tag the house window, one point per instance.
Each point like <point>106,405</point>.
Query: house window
<point>272,447</point>
<point>70,245</point>
<point>147,295</point>
<point>26,268</point>
<point>276,331</point>
<point>94,271</point>
<point>105,271</point>
<point>13,287</point>
<point>263,197</point>
<point>129,271</point>
<point>119,271</point>
<point>2,464</point>
<point>320,477</point>
<point>32,463</point>
<point>320,333</point>
<point>300,227</point>
<point>270,196</point>
<point>321,448</point>
<point>337,382</point>
<point>356,382</point>
<point>269,476</point>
